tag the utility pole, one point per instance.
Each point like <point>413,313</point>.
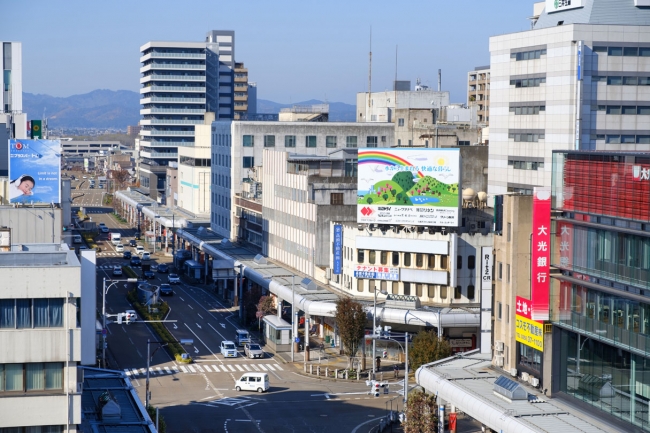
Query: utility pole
<point>241,293</point>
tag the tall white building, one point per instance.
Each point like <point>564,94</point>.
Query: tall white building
<point>12,120</point>
<point>181,81</point>
<point>580,79</point>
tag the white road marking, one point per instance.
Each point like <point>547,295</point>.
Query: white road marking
<point>191,369</point>
<point>175,369</point>
<point>279,368</point>
<point>230,367</point>
<point>207,368</point>
<point>159,370</point>
<point>183,369</point>
<point>239,367</point>
<point>135,372</point>
<point>181,299</point>
<point>223,367</point>
<point>270,367</point>
<point>216,369</point>
<point>168,370</point>
<point>190,306</point>
<point>247,367</point>
<point>199,315</point>
<point>255,367</point>
<point>263,367</point>
<point>198,367</point>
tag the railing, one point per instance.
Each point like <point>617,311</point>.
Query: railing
<point>156,143</point>
<point>172,88</point>
<point>161,77</point>
<point>172,66</point>
<point>171,110</point>
<point>164,99</point>
<point>170,122</point>
<point>172,55</point>
<point>159,155</point>
<point>156,132</point>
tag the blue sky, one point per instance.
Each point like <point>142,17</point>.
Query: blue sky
<point>294,50</point>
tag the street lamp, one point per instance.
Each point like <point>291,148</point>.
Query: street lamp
<point>374,328</point>
<point>104,291</point>
<point>184,342</point>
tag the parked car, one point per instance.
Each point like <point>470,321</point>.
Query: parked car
<point>119,248</point>
<point>127,254</point>
<point>117,270</point>
<point>166,289</point>
<point>253,350</point>
<point>228,349</point>
<point>163,268</point>
<point>149,274</point>
<point>173,279</point>
<point>133,243</point>
<point>135,261</point>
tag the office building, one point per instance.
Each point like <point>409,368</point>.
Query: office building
<point>478,92</point>
<point>381,106</point>
<point>13,122</point>
<point>193,189</point>
<point>578,80</point>
<point>237,149</point>
<point>181,81</point>
<point>252,98</point>
<point>240,91</point>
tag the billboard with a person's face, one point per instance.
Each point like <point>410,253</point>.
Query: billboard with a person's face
<point>34,171</point>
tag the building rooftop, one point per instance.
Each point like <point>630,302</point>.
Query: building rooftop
<point>609,12</point>
<point>38,255</point>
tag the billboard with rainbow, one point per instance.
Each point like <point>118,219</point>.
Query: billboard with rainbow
<point>409,186</point>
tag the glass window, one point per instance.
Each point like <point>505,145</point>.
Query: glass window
<point>643,110</point>
<point>628,139</point>
<point>359,285</point>
<point>372,256</point>
<point>641,139</point>
<point>458,292</point>
<point>330,141</point>
<point>598,78</point>
<point>310,141</point>
<point>443,261</point>
<point>644,81</point>
<point>613,139</point>
<point>289,141</point>
<point>371,141</point>
<point>13,377</point>
<point>459,262</point>
<point>628,109</point>
<point>34,376</point>
<point>419,260</point>
<point>600,49</point>
<point>249,141</point>
<point>644,51</point>
<point>443,292</point>
<point>351,141</point>
<point>384,258</point>
<point>431,264</point>
<point>631,51</point>
<point>7,313</point>
<point>248,161</point>
<point>630,81</point>
<point>395,259</point>
<point>431,291</point>
<point>23,313</point>
<point>269,141</point>
<point>471,262</point>
<point>360,256</point>
<point>613,109</point>
<point>40,313</point>
<point>614,81</point>
<point>418,290</point>
<point>400,122</point>
<point>407,259</point>
<point>470,292</point>
<point>407,289</point>
<point>614,51</point>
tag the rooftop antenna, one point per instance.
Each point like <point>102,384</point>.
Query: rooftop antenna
<point>369,70</point>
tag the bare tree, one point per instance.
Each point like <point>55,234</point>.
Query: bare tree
<point>120,177</point>
<point>351,321</point>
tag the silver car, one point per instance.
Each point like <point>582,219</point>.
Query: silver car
<point>253,350</point>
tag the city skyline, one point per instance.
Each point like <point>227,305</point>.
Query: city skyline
<point>66,53</point>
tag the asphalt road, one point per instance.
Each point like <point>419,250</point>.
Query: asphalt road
<point>201,396</point>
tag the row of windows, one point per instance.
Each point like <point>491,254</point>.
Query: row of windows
<point>527,82</point>
<point>615,80</point>
<point>525,138</point>
<point>616,138</point>
<point>415,289</point>
<point>34,376</point>
<point>531,109</point>
<point>221,180</point>
<point>624,51</point>
<point>194,162</point>
<point>34,429</point>
<point>528,55</point>
<point>331,141</point>
<point>641,110</point>
<point>421,260</point>
<point>31,313</point>
<point>221,160</point>
<point>222,140</point>
<point>526,165</point>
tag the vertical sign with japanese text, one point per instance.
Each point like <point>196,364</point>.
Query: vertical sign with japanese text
<point>541,254</point>
<point>338,248</point>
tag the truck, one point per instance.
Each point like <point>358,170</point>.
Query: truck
<point>115,238</point>
<point>242,337</point>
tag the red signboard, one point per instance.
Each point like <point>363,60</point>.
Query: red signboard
<point>523,307</point>
<point>541,254</point>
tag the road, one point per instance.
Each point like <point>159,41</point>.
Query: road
<point>201,396</point>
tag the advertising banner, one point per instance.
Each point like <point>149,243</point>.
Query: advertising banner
<point>35,171</point>
<point>376,272</point>
<point>562,5</point>
<point>338,248</point>
<point>409,186</point>
<point>528,331</point>
<point>541,254</point>
<point>37,131</point>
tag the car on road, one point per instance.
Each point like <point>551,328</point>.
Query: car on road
<point>135,261</point>
<point>173,279</point>
<point>130,315</point>
<point>85,177</point>
<point>102,225</point>
<point>166,289</point>
<point>163,268</point>
<point>139,250</point>
<point>76,239</point>
<point>228,349</point>
<point>149,274</point>
<point>126,255</point>
<point>133,243</point>
<point>146,255</point>
<point>104,229</point>
<point>119,248</point>
<point>117,270</point>
<point>253,382</point>
<point>253,350</point>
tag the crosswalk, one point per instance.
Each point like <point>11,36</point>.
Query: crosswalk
<point>109,254</point>
<point>201,368</point>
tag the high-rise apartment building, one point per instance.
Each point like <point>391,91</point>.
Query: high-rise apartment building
<point>578,80</point>
<point>11,97</point>
<point>181,81</point>
<point>241,91</point>
<point>478,92</point>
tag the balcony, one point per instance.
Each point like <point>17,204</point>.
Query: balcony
<point>240,88</point>
<point>154,55</point>
<point>145,122</point>
<point>159,77</point>
<point>240,79</point>
<point>241,107</point>
<point>171,111</point>
<point>185,89</point>
<point>176,66</point>
<point>155,132</point>
<point>154,155</point>
<point>146,101</point>
<point>156,143</point>
<point>241,98</point>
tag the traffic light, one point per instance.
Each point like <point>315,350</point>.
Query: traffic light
<point>119,318</point>
<point>375,390</point>
<point>127,317</point>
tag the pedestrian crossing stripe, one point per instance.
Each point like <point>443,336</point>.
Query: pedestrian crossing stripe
<point>196,368</point>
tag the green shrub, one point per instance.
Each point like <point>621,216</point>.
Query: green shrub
<point>162,425</point>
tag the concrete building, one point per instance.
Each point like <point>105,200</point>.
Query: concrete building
<point>304,193</point>
<point>578,80</point>
<point>305,113</point>
<point>181,81</point>
<point>478,92</point>
<point>241,87</point>
<point>194,172</point>
<point>237,149</point>
<point>449,126</point>
<point>381,106</point>
<point>13,122</point>
<point>252,98</point>
<point>44,314</point>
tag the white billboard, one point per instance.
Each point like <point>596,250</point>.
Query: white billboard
<point>409,186</point>
<point>562,5</point>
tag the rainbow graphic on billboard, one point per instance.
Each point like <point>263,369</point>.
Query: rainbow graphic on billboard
<point>409,186</point>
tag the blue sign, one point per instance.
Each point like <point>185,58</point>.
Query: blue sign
<point>338,248</point>
<point>35,171</point>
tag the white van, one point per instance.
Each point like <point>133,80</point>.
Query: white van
<point>253,382</point>
<point>76,239</point>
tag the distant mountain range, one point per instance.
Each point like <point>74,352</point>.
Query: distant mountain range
<point>121,108</point>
